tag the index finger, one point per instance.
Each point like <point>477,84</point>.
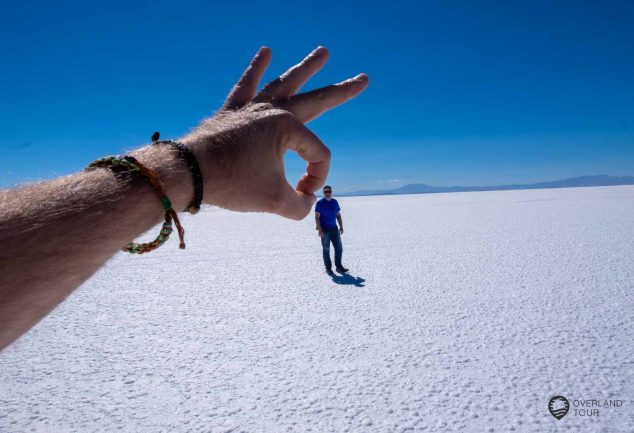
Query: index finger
<point>311,149</point>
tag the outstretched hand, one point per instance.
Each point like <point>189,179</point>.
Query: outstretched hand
<point>241,149</point>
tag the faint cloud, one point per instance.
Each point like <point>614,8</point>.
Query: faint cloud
<point>384,181</point>
<point>19,146</point>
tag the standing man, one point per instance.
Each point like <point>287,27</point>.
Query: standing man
<point>327,214</point>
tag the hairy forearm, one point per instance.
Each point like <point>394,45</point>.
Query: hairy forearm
<point>56,234</point>
<point>339,220</point>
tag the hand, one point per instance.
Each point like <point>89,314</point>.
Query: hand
<point>241,149</point>
<point>321,233</point>
<point>341,231</point>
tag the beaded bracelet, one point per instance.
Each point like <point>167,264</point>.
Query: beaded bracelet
<point>190,159</point>
<point>129,163</point>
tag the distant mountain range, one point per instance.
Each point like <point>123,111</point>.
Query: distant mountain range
<point>421,188</point>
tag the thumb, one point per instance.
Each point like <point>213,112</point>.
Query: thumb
<point>295,204</point>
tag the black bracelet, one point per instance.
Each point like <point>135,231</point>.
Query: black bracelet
<point>197,177</point>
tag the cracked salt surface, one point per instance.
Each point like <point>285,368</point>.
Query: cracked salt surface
<point>462,312</point>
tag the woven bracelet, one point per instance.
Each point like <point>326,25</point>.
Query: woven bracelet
<point>129,163</point>
<point>190,159</point>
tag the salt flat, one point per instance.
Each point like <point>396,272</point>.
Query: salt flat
<point>462,312</point>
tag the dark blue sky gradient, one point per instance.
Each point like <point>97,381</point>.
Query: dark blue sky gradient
<point>460,92</point>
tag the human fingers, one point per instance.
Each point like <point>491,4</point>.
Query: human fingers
<point>290,81</point>
<point>244,90</point>
<point>295,204</point>
<point>309,105</point>
<point>311,149</point>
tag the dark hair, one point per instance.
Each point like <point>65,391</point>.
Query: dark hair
<point>326,187</point>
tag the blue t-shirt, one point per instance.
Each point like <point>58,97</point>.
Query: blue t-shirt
<point>328,210</point>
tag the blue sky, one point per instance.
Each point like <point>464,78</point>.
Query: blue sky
<point>467,93</point>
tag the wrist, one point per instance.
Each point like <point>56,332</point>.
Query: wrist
<point>214,166</point>
<point>173,172</point>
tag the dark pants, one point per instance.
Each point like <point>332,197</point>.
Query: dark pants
<point>332,235</point>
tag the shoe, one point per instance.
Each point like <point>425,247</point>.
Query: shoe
<point>329,271</point>
<point>342,270</point>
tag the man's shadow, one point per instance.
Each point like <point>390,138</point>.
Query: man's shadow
<point>348,279</point>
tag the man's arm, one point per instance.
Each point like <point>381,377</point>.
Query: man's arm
<point>320,230</point>
<point>56,234</point>
<point>340,221</point>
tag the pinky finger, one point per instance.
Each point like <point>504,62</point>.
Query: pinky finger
<point>309,105</point>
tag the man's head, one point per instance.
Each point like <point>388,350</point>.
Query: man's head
<point>327,191</point>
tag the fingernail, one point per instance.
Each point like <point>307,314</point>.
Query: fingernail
<point>361,77</point>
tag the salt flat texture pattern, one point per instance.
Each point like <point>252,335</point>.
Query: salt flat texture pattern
<point>462,312</point>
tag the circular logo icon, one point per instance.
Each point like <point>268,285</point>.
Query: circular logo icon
<point>558,406</point>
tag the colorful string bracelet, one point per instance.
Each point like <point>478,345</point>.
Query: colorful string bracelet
<point>129,163</point>
<point>190,159</point>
